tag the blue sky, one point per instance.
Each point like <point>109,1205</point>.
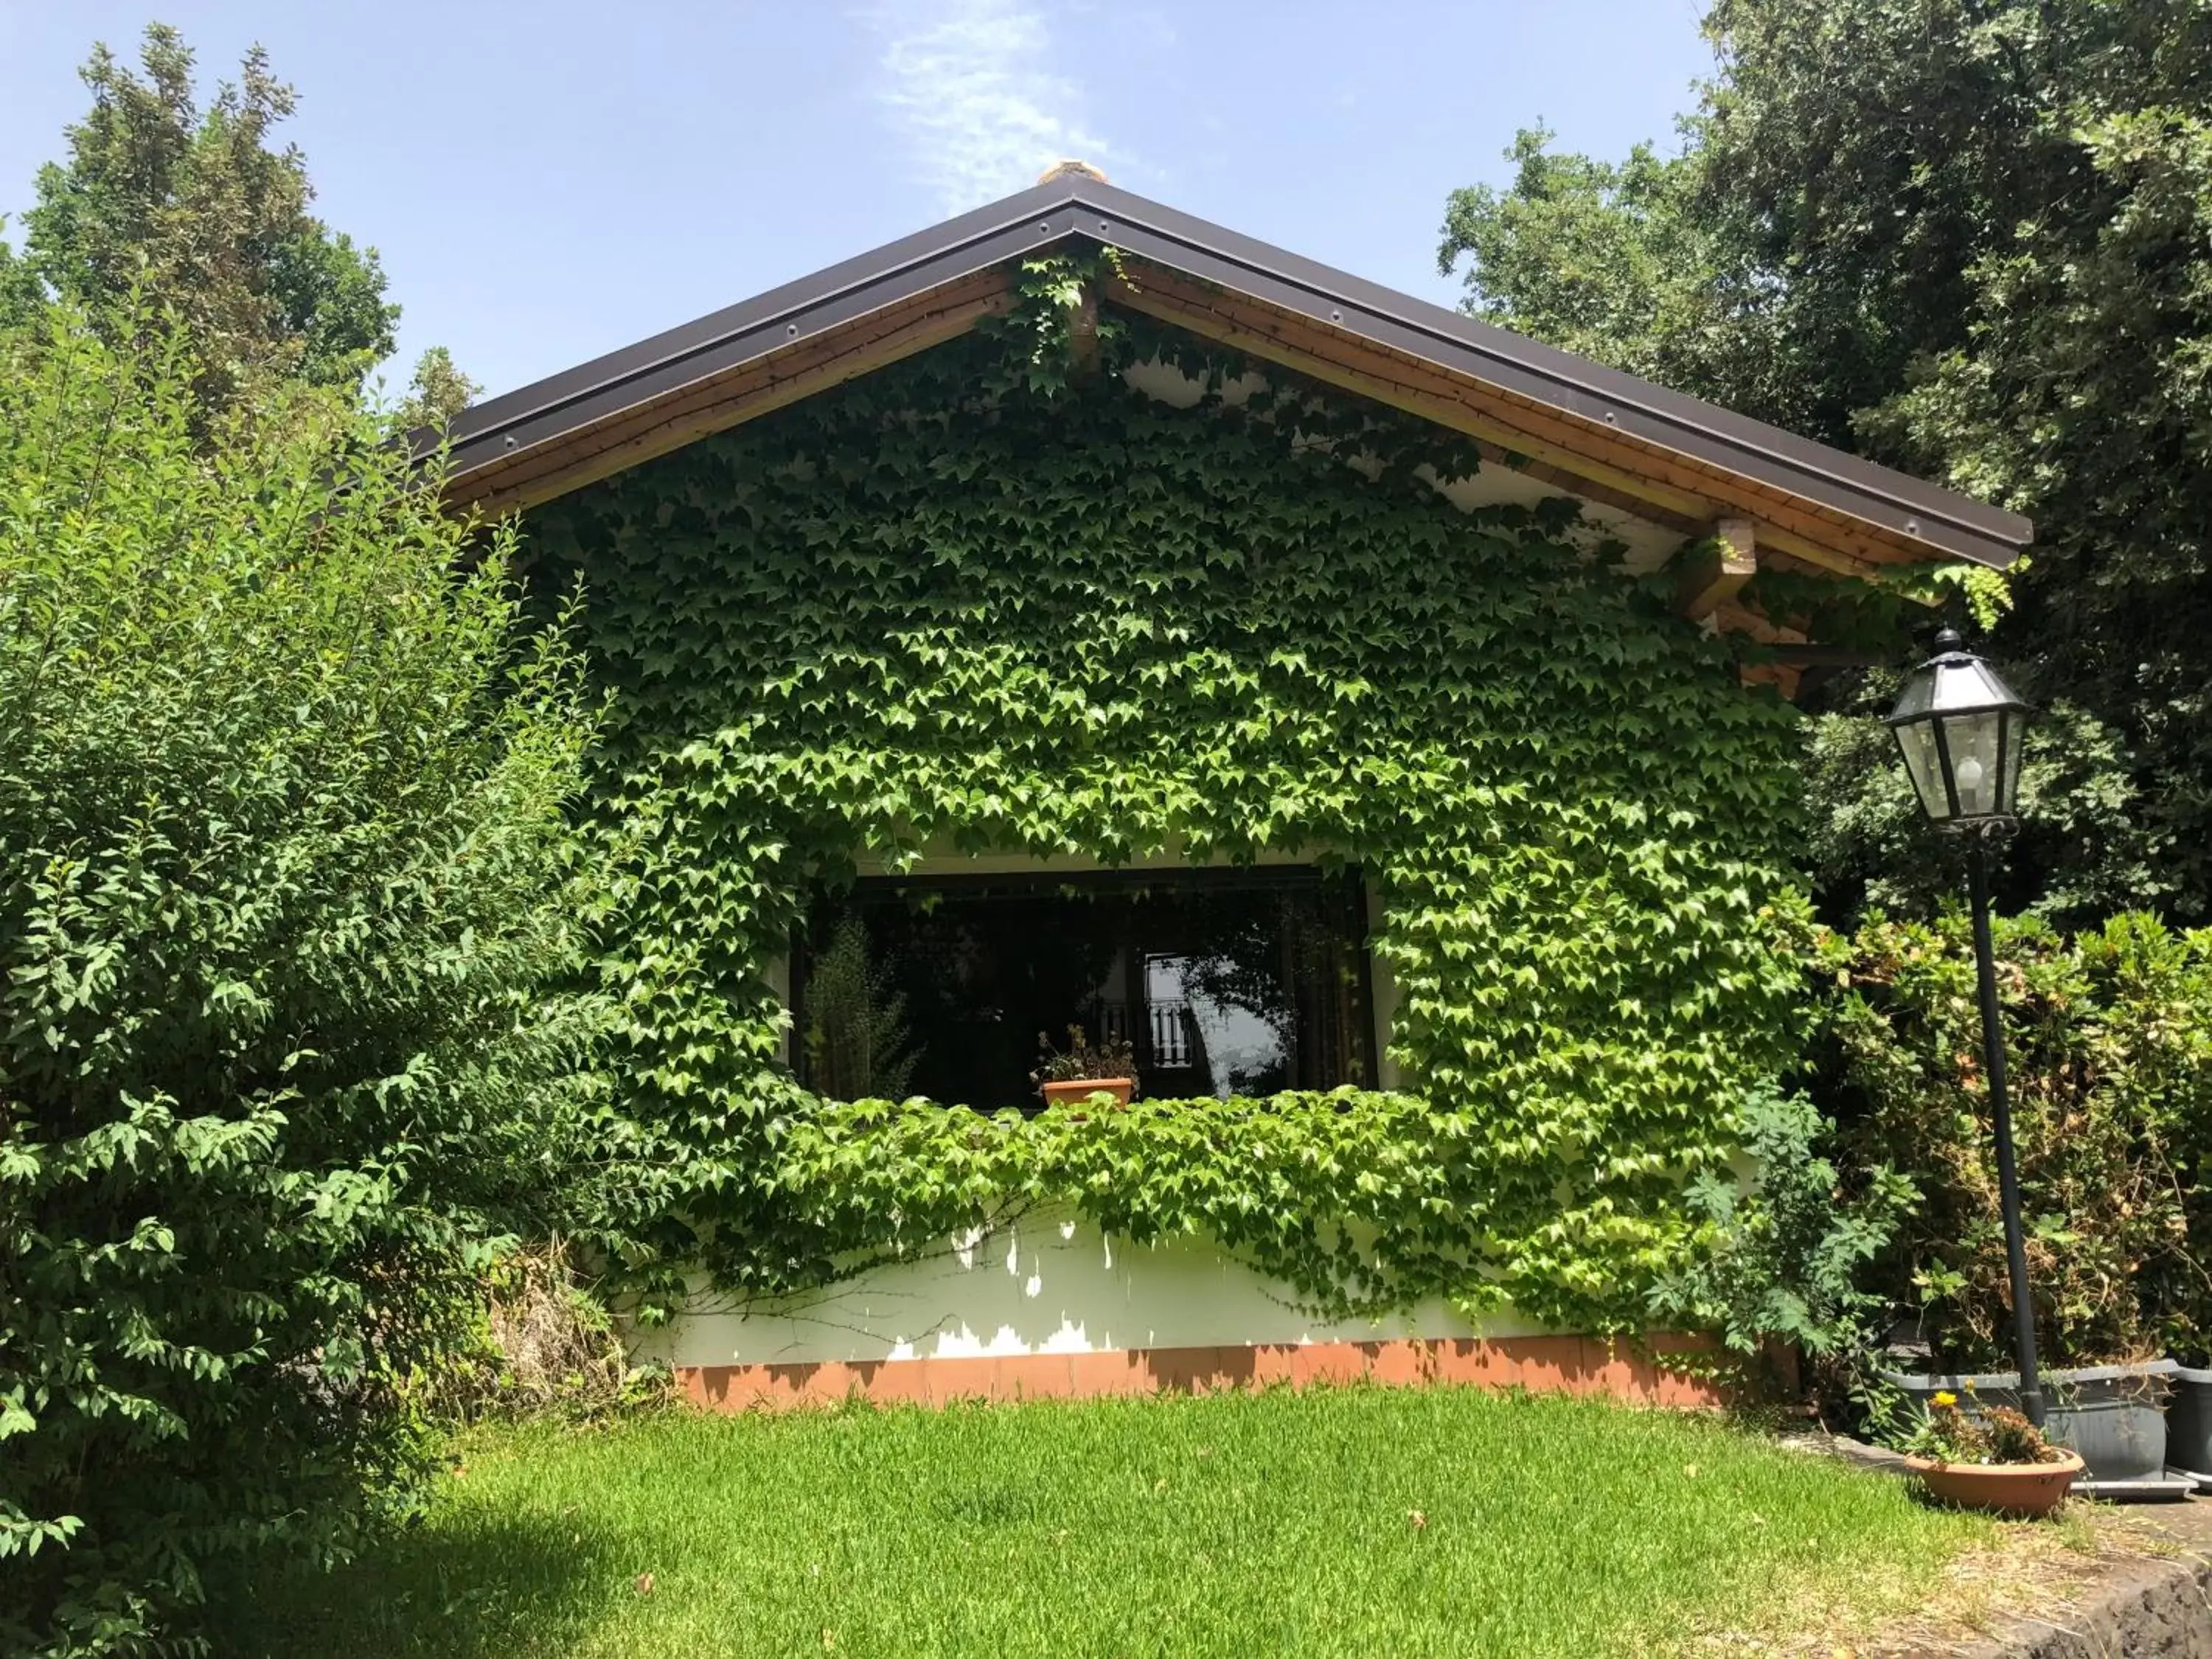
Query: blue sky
<point>549,181</point>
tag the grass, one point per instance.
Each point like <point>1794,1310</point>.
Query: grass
<point>1360,1520</point>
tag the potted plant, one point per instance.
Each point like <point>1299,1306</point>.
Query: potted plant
<point>2113,1416</point>
<point>1996,1460</point>
<point>1084,1068</point>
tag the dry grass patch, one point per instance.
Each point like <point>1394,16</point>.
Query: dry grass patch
<point>2038,1571</point>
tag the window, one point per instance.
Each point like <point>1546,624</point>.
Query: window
<point>1224,982</point>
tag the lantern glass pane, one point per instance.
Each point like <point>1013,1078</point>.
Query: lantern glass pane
<point>1972,740</point>
<point>1925,767</point>
<point>1918,700</point>
<point>2016,739</point>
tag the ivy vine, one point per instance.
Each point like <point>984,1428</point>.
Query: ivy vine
<point>994,599</point>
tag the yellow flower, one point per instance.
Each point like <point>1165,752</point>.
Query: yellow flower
<point>1945,1397</point>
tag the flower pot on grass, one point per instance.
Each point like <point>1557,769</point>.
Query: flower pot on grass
<point>1988,1457</point>
<point>2113,1415</point>
<point>2022,1491</point>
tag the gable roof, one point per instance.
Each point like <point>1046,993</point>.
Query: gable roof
<point>1589,429</point>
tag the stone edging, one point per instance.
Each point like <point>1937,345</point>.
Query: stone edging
<point>2145,1609</point>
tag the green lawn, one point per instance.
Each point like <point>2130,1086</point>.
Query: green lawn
<point>1274,1523</point>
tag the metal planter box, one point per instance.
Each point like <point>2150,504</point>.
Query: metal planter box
<point>2189,1425</point>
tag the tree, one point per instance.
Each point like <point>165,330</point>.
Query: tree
<point>2082,395</point>
<point>288,890</point>
<point>1970,238</point>
<point>438,393</point>
<point>1615,262</point>
<point>195,210</point>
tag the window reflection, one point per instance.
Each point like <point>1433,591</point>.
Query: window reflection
<point>1225,982</point>
<point>1228,1041</point>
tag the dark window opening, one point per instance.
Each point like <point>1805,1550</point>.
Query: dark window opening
<point>1224,982</point>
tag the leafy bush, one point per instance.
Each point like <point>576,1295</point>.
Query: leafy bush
<point>2084,850</point>
<point>545,1344</point>
<point>1787,1255</point>
<point>2109,1045</point>
<point>282,873</point>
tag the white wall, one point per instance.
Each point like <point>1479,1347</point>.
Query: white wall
<point>1046,1284</point>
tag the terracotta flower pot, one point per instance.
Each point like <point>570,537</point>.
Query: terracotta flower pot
<point>2022,1490</point>
<point>1082,1088</point>
<point>2113,1415</point>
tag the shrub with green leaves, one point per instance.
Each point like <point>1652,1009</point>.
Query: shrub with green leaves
<point>1788,1254</point>
<point>2109,1047</point>
<point>284,870</point>
<point>977,601</point>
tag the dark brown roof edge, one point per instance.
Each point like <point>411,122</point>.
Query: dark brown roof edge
<point>1072,207</point>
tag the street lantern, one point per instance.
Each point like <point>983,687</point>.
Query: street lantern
<point>1960,728</point>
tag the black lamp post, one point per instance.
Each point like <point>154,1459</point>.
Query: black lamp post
<point>1960,727</point>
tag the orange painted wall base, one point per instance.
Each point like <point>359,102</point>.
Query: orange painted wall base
<point>1561,1364</point>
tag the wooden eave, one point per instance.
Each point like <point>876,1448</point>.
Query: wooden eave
<point>1590,430</point>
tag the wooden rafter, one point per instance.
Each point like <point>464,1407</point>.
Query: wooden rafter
<point>1578,455</point>
<point>1600,434</point>
<point>1716,569</point>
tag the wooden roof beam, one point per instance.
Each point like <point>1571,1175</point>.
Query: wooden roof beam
<point>1714,570</point>
<point>718,402</point>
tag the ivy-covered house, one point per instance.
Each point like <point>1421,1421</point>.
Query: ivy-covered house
<point>1080,616</point>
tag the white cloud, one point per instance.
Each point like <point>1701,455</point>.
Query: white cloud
<point>969,87</point>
